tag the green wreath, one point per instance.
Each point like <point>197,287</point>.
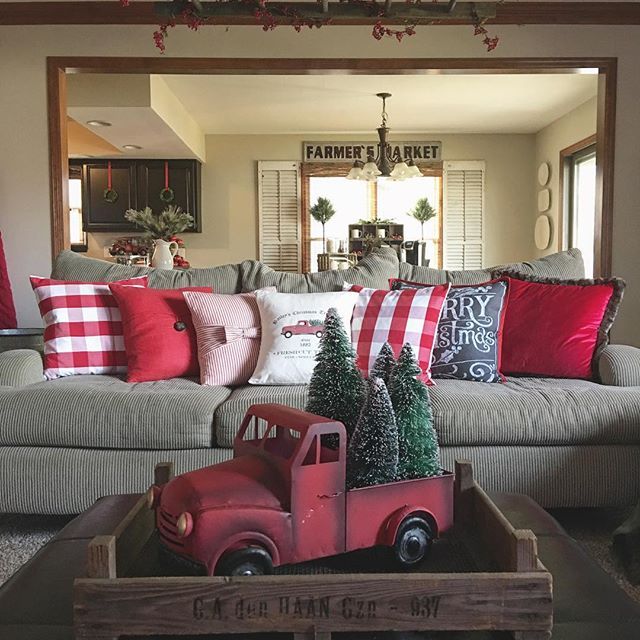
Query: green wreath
<point>167,195</point>
<point>110,195</point>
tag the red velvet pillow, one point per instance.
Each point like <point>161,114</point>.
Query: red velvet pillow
<point>159,336</point>
<point>557,328</point>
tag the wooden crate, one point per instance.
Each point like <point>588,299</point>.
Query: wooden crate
<point>512,591</point>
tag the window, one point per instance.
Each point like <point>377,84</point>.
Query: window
<point>580,202</point>
<point>355,200</point>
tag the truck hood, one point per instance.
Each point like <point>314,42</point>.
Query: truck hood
<point>245,481</point>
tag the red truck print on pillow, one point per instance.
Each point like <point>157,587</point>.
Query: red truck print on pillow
<point>303,328</point>
<point>282,500</point>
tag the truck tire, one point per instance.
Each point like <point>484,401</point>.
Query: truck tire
<point>318,334</point>
<point>250,561</point>
<point>287,334</point>
<point>413,541</point>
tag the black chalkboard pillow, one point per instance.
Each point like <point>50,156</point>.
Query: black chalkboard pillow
<point>468,342</point>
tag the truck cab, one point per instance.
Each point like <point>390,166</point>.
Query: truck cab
<point>282,500</point>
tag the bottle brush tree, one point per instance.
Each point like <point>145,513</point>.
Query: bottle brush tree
<point>372,456</point>
<point>322,211</point>
<point>384,364</point>
<point>336,389</point>
<point>419,453</point>
<point>422,212</point>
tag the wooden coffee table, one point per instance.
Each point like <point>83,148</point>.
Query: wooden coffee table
<point>36,603</point>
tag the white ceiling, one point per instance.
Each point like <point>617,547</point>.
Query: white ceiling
<point>521,103</point>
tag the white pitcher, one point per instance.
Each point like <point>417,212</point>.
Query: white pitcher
<point>163,254</point>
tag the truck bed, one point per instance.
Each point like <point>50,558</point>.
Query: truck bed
<point>369,508</point>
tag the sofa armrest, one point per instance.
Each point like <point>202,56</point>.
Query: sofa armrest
<point>619,365</point>
<point>20,367</point>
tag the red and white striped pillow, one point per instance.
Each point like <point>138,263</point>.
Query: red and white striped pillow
<point>228,335</point>
<point>397,317</point>
<point>82,327</point>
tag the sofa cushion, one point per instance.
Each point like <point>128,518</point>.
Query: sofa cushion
<point>71,266</point>
<point>567,265</point>
<point>104,412</point>
<point>535,411</point>
<point>230,414</point>
<point>373,271</point>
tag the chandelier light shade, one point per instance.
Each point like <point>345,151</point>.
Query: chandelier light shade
<point>384,164</point>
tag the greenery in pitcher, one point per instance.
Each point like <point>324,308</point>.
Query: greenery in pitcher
<point>171,221</point>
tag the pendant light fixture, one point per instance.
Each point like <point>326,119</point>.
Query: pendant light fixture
<point>384,164</point>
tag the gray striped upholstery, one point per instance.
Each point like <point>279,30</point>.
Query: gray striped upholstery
<point>106,413</point>
<point>71,266</point>
<point>535,411</point>
<point>587,476</point>
<point>20,367</point>
<point>230,414</point>
<point>620,365</point>
<point>523,411</point>
<point>48,480</point>
<point>372,271</point>
<point>567,265</point>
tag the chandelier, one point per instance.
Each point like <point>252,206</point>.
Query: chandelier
<point>384,164</point>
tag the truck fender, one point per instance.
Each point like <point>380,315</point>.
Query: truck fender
<point>388,536</point>
<point>247,539</point>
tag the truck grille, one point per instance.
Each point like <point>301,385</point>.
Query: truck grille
<point>168,530</point>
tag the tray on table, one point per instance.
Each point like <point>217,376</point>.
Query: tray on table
<point>483,575</point>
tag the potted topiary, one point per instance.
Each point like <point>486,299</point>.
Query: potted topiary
<point>322,211</point>
<point>422,212</point>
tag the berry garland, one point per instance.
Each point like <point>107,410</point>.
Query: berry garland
<point>271,15</point>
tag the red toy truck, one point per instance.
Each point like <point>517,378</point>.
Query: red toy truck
<point>282,500</point>
<point>303,328</point>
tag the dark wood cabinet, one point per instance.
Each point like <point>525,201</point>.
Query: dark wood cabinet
<point>138,184</point>
<point>184,180</point>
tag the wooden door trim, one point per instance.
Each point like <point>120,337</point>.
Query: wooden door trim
<point>57,67</point>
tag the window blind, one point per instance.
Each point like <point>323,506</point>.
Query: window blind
<point>463,222</point>
<point>279,215</point>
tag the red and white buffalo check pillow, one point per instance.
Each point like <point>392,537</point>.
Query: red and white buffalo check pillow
<point>82,327</point>
<point>397,317</point>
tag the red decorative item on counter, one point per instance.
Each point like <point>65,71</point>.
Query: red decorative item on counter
<point>8,319</point>
<point>282,500</point>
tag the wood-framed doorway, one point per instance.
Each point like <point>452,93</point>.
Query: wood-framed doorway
<point>57,68</point>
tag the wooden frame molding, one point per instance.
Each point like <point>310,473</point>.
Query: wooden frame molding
<point>57,116</point>
<point>507,13</point>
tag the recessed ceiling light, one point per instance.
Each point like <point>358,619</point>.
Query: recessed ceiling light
<point>131,147</point>
<point>98,123</point>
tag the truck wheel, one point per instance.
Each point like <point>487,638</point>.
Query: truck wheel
<point>318,334</point>
<point>287,334</point>
<point>251,561</point>
<point>413,541</point>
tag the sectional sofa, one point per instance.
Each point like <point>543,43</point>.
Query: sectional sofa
<point>66,442</point>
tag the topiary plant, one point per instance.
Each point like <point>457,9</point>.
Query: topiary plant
<point>322,211</point>
<point>422,212</point>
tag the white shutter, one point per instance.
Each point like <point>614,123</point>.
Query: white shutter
<point>279,215</point>
<point>463,221</point>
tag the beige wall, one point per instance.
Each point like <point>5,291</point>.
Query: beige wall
<point>571,128</point>
<point>24,183</point>
<point>229,191</point>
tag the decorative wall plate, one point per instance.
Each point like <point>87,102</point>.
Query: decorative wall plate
<point>544,200</point>
<point>544,173</point>
<point>542,232</point>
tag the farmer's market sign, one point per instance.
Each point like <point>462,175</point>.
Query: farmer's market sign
<point>429,151</point>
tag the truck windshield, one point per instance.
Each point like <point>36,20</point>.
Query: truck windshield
<point>280,441</point>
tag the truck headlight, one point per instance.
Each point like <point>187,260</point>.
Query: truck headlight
<point>184,525</point>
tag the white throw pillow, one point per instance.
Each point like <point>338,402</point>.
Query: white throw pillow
<point>291,329</point>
